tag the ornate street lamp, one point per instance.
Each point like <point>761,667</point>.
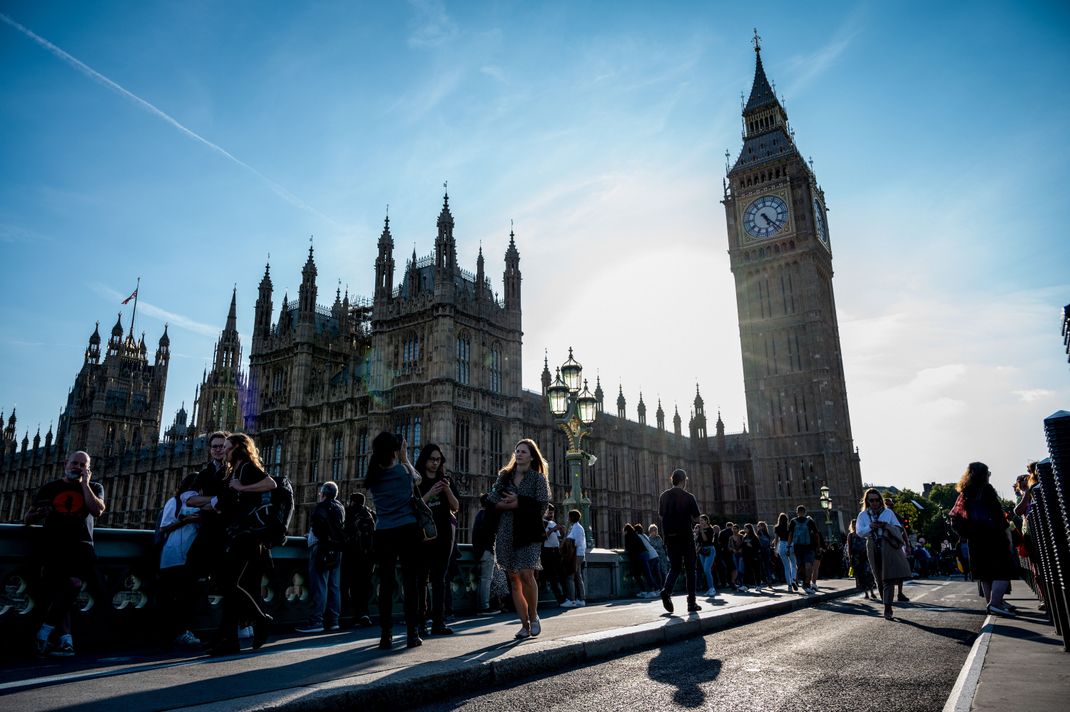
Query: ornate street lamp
<point>826,504</point>
<point>574,411</point>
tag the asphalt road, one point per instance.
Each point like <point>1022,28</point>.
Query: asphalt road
<point>841,655</point>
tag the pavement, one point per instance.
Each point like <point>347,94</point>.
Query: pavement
<point>1009,662</point>
<point>1015,664</point>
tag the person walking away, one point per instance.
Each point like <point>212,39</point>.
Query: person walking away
<point>679,512</point>
<point>358,558</point>
<point>802,538</point>
<point>752,574</point>
<point>391,480</point>
<point>551,555</point>
<point>784,551</point>
<point>326,542</point>
<point>978,516</point>
<point>705,543</point>
<point>884,542</point>
<point>68,508</point>
<point>574,558</point>
<point>765,558</point>
<point>650,562</point>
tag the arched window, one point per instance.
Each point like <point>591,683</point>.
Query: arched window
<point>464,355</point>
<point>496,368</point>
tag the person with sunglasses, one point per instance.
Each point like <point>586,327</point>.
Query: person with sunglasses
<point>884,544</point>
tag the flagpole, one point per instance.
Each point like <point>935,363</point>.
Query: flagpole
<point>134,312</point>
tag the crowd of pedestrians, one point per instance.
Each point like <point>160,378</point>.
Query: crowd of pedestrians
<point>220,524</point>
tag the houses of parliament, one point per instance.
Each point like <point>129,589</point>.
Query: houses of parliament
<point>435,354</point>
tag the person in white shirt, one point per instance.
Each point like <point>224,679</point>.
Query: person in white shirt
<point>551,555</point>
<point>575,565</point>
<point>178,583</point>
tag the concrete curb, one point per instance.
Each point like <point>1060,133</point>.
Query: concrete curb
<point>424,683</point>
<point>965,689</point>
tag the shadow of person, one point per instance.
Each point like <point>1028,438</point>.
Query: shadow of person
<point>685,667</point>
<point>962,637</point>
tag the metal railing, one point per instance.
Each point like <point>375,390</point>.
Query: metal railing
<point>122,605</point>
<point>1049,523</point>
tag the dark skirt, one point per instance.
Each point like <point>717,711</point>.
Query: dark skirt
<point>991,558</point>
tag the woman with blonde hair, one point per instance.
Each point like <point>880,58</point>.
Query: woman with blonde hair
<point>884,545</point>
<point>521,494</point>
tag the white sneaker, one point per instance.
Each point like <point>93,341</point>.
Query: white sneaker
<point>569,603</point>
<point>580,603</point>
<point>188,638</point>
<point>711,593</point>
<point>536,627</point>
<point>246,632</point>
<point>523,633</point>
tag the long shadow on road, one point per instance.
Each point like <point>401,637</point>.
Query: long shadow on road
<point>687,682</point>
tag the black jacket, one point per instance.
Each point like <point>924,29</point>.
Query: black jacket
<point>328,523</point>
<point>527,521</point>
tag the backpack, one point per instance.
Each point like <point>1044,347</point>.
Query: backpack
<point>360,531</point>
<point>801,532</point>
<point>281,511</point>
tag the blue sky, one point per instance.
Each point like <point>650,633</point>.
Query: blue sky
<point>193,139</point>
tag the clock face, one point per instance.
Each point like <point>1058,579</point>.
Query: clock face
<point>765,217</point>
<point>819,221</point>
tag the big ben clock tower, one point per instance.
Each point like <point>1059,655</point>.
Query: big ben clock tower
<point>781,256</point>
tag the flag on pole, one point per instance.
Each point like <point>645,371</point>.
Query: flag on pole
<point>127,300</point>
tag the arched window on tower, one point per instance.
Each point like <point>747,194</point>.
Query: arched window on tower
<point>496,368</point>
<point>464,355</point>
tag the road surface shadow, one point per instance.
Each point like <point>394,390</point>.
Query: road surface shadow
<point>687,681</point>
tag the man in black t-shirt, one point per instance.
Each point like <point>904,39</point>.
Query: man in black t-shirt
<point>68,507</point>
<point>212,487</point>
<point>679,512</point>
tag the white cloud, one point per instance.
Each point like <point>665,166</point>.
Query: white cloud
<point>1031,395</point>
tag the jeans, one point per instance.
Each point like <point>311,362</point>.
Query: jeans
<point>707,556</point>
<point>325,585</point>
<point>681,549</point>
<point>486,575</point>
<point>393,546</point>
<point>791,573</point>
<point>738,560</point>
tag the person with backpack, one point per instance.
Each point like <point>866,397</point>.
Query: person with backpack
<point>326,539</point>
<point>802,540</point>
<point>358,558</point>
<point>249,531</point>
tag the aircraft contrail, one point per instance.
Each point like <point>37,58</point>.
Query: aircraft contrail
<point>97,76</point>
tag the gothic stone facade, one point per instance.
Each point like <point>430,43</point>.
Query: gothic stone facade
<point>438,358</point>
